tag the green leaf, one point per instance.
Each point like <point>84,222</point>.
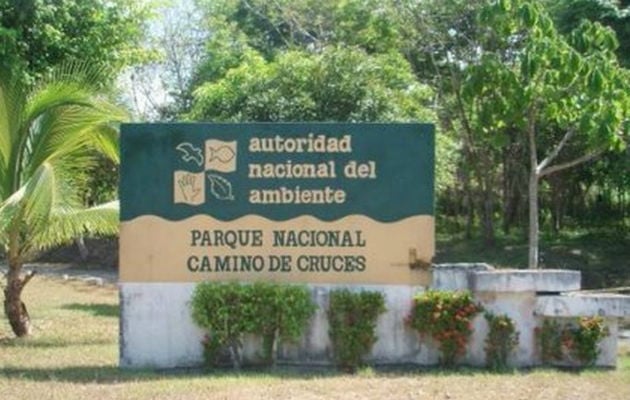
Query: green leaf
<point>596,81</point>
<point>528,15</point>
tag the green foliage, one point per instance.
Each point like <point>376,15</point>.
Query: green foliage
<point>584,338</point>
<point>305,60</point>
<point>568,14</point>
<point>338,84</point>
<point>220,309</point>
<point>228,311</point>
<point>447,318</point>
<point>501,340</point>
<point>282,312</point>
<point>101,184</point>
<point>269,27</point>
<point>352,318</point>
<point>48,137</point>
<point>578,340</point>
<point>38,35</point>
<point>549,338</point>
<point>566,94</point>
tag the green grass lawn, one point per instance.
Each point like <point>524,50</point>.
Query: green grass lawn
<point>73,354</point>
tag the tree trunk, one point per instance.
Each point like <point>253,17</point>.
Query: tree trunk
<point>533,220</point>
<point>14,308</point>
<point>470,206</point>
<point>83,250</point>
<point>559,195</point>
<point>533,191</point>
<point>488,216</point>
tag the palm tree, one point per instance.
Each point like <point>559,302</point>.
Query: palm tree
<point>49,135</point>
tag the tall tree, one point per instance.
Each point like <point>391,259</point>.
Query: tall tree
<point>48,135</point>
<point>560,92</point>
<point>441,39</point>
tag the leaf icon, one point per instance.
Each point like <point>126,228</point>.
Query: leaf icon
<point>220,187</point>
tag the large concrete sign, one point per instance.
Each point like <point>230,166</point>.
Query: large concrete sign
<point>311,203</point>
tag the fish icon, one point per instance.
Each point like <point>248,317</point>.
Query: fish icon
<point>223,154</point>
<point>190,153</point>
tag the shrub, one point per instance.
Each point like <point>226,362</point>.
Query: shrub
<point>282,312</point>
<point>447,317</point>
<point>352,318</point>
<point>229,310</point>
<point>578,340</point>
<point>549,339</point>
<point>584,339</point>
<point>502,339</point>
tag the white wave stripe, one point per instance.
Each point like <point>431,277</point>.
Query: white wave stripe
<point>306,217</point>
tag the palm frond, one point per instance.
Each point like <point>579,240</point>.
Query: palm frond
<point>68,224</point>
<point>10,100</point>
<point>66,131</point>
<point>107,142</point>
<point>48,138</point>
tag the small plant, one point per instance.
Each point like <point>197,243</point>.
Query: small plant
<point>447,317</point>
<point>578,340</point>
<point>219,308</point>
<point>352,318</point>
<point>282,312</point>
<point>549,337</point>
<point>502,339</point>
<point>228,311</point>
<point>585,337</point>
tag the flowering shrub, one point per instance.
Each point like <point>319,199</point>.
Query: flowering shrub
<point>502,339</point>
<point>578,340</point>
<point>447,317</point>
<point>584,339</point>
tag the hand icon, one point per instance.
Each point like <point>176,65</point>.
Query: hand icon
<point>189,187</point>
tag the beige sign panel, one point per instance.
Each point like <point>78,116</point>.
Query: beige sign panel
<point>355,249</point>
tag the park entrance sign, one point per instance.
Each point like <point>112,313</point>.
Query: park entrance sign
<point>290,202</point>
<point>328,205</point>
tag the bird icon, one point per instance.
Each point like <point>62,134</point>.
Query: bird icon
<point>190,153</point>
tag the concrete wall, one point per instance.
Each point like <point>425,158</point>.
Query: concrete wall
<point>157,329</point>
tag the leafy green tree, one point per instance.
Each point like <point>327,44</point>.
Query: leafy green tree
<point>442,39</point>
<point>37,35</point>
<point>338,84</point>
<point>558,92</point>
<point>48,135</point>
<point>236,27</point>
<point>269,26</point>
